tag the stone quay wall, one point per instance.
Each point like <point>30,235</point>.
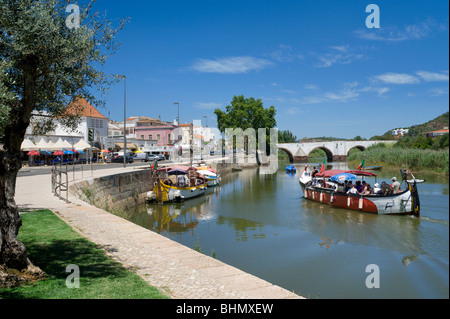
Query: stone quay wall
<point>115,192</point>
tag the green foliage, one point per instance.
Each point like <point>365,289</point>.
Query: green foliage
<point>286,137</point>
<point>414,158</point>
<point>45,64</point>
<point>247,113</point>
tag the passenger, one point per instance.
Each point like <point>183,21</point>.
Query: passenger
<point>315,171</point>
<point>359,187</point>
<point>385,190</point>
<point>376,189</point>
<point>352,190</point>
<point>368,190</point>
<point>340,188</point>
<point>395,186</point>
<point>348,186</point>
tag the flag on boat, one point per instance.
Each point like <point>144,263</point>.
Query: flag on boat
<point>361,166</point>
<point>322,168</point>
<point>155,165</point>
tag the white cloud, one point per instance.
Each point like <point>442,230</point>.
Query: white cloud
<point>397,78</point>
<point>394,34</point>
<point>231,65</point>
<point>439,91</point>
<point>433,77</point>
<point>284,53</point>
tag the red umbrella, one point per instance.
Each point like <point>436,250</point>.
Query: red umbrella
<point>33,153</point>
<point>58,153</point>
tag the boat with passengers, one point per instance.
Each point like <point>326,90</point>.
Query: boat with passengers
<point>177,183</point>
<point>327,187</point>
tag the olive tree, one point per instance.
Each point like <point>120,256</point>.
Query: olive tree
<point>48,56</point>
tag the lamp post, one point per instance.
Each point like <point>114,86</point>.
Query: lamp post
<point>124,78</point>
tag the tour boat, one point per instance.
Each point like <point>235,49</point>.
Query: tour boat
<point>177,184</point>
<point>405,202</point>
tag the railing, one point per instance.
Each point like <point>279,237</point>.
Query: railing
<point>61,177</point>
<point>58,185</point>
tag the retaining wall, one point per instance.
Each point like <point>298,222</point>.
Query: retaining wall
<point>115,192</point>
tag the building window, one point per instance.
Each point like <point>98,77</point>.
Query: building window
<point>158,137</point>
<point>150,137</point>
<point>142,137</point>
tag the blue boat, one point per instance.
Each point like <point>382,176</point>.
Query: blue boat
<point>291,169</point>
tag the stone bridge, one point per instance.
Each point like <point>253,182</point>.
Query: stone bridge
<point>335,150</point>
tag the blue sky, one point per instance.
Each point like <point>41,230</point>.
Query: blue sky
<point>325,72</point>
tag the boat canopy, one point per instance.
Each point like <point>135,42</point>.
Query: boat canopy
<point>332,172</point>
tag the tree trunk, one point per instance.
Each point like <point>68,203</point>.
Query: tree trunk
<point>12,252</point>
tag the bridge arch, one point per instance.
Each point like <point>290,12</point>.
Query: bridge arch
<point>328,153</point>
<point>289,154</point>
<point>359,147</point>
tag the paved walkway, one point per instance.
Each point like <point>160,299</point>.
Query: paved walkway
<point>176,270</point>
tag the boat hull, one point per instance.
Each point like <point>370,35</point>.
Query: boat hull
<point>163,193</point>
<point>395,204</point>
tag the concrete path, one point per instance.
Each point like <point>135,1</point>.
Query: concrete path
<point>176,270</point>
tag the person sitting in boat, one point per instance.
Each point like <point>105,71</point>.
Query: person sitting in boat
<point>181,180</point>
<point>377,189</point>
<point>353,190</point>
<point>368,189</point>
<point>385,189</point>
<point>348,186</point>
<point>359,187</point>
<point>315,171</point>
<point>395,186</point>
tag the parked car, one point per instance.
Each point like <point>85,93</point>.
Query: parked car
<point>153,157</point>
<point>119,159</point>
<point>160,157</point>
<point>141,157</point>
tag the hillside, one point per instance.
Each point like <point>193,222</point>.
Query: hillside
<point>436,124</point>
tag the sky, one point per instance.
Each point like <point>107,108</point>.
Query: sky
<point>317,62</point>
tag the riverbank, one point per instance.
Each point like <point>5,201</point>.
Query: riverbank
<point>416,160</point>
<point>176,270</point>
<point>53,245</point>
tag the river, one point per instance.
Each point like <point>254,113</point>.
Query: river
<point>262,225</point>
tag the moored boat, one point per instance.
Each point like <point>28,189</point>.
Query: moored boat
<point>212,178</point>
<point>322,189</point>
<point>291,169</point>
<point>177,184</point>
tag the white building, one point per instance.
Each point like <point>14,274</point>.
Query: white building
<point>90,118</point>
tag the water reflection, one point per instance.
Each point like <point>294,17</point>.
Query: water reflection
<point>180,217</point>
<point>398,233</point>
<point>263,225</point>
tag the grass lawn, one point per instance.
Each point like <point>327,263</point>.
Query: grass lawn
<point>52,245</point>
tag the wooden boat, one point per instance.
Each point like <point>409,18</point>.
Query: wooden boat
<point>405,202</point>
<point>237,169</point>
<point>372,168</point>
<point>186,184</point>
<point>211,176</point>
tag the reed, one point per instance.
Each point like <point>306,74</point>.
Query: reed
<point>415,159</point>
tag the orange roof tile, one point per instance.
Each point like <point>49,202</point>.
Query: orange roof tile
<point>83,108</point>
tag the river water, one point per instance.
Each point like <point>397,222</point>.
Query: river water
<point>262,225</point>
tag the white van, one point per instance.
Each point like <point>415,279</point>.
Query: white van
<point>141,157</point>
